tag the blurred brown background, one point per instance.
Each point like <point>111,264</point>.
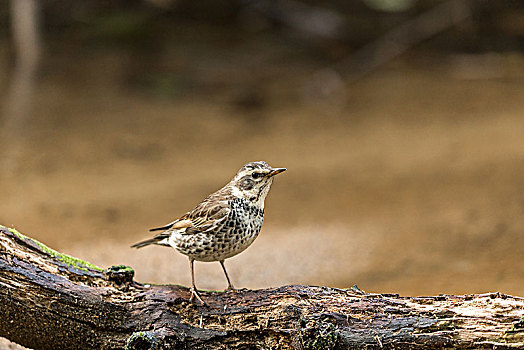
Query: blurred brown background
<point>401,123</point>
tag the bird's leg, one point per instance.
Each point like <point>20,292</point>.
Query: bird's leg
<point>194,292</point>
<point>230,286</point>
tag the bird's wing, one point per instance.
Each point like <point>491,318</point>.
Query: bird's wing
<point>209,215</point>
<point>166,227</point>
<point>206,216</point>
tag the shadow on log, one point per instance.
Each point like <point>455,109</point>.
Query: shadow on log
<point>52,301</point>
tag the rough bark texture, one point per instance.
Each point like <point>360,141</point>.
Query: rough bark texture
<point>52,301</point>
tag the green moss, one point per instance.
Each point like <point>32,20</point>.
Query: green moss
<point>142,340</point>
<point>123,268</point>
<point>323,336</point>
<point>120,274</point>
<point>67,259</point>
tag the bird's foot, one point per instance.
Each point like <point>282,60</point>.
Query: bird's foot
<point>194,294</point>
<point>230,288</point>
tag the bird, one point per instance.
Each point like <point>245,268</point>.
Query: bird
<point>223,225</point>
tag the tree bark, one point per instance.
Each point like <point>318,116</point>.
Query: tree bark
<point>53,301</point>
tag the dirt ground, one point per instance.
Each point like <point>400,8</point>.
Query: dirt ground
<point>410,181</point>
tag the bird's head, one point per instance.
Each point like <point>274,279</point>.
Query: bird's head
<point>253,181</point>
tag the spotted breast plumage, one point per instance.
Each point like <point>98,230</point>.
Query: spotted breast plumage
<point>224,224</point>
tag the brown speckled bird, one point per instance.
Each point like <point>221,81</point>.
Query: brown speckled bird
<point>222,225</point>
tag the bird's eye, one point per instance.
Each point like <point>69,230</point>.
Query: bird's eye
<point>256,175</point>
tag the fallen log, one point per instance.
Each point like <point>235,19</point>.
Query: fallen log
<point>53,301</point>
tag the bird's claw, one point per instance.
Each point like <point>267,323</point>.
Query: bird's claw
<point>230,288</point>
<point>194,294</point>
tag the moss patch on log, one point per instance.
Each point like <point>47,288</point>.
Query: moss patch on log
<point>142,340</point>
<point>66,259</point>
<point>322,336</point>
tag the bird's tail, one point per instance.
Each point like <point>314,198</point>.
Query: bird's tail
<point>158,239</point>
<point>144,243</point>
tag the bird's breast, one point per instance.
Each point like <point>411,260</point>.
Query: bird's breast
<point>237,232</point>
<point>244,213</point>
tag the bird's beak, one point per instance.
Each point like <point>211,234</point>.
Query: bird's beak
<point>275,171</point>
